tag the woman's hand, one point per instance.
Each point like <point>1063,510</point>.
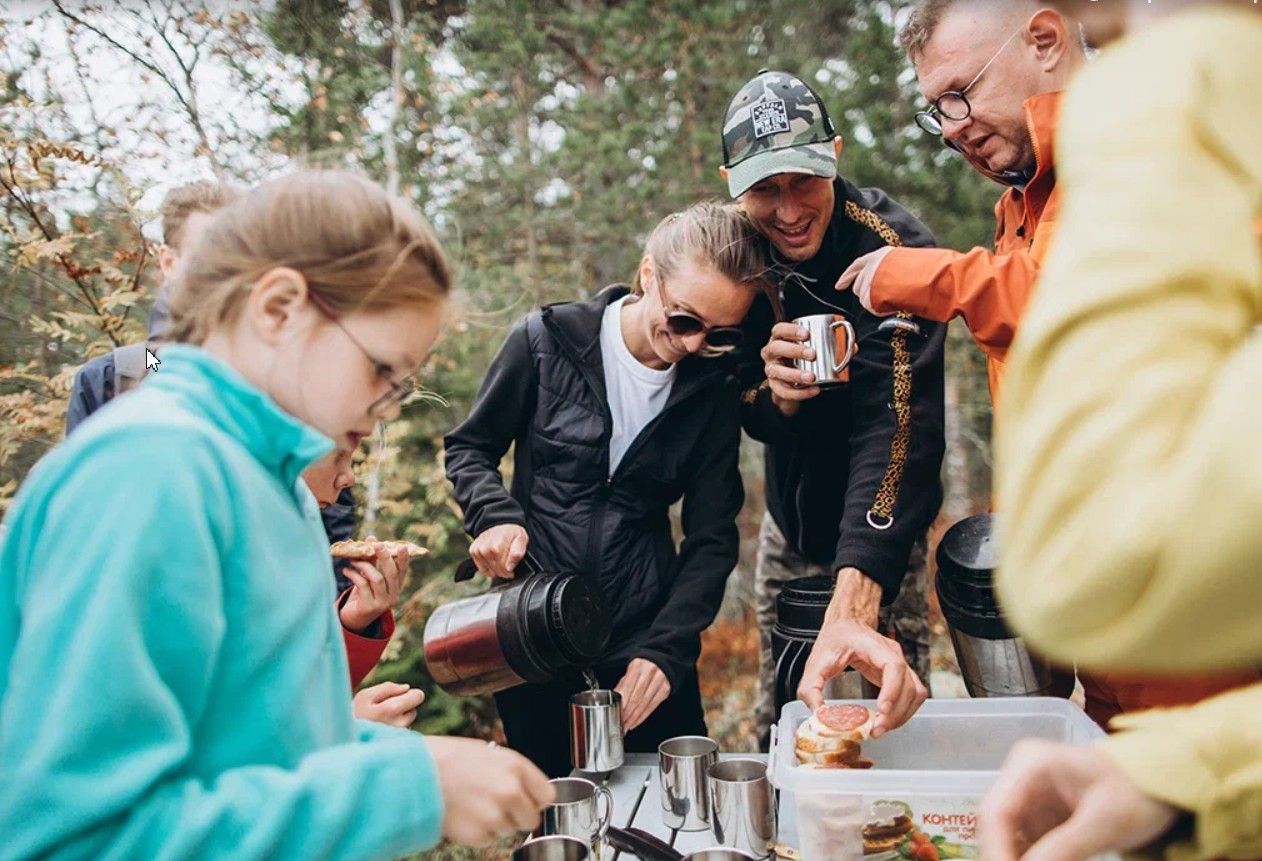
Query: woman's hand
<point>489,792</point>
<point>643,688</point>
<point>374,590</point>
<point>1059,802</point>
<point>497,551</point>
<point>389,702</point>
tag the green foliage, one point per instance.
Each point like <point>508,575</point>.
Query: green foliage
<point>543,137</point>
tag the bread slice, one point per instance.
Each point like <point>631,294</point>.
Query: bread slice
<point>366,551</point>
<point>844,756</point>
<point>857,763</point>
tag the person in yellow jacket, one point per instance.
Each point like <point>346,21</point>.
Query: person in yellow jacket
<point>1130,457</point>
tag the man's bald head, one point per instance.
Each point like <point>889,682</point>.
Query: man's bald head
<point>1031,49</point>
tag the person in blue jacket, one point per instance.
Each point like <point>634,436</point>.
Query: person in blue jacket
<point>172,675</point>
<point>186,209</point>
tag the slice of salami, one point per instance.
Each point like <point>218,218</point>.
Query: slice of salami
<point>844,718</point>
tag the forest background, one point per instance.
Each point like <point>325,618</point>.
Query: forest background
<point>542,139</point>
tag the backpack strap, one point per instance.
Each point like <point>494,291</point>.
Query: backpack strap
<point>130,366</point>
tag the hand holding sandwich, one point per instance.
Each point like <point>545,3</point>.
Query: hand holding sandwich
<point>848,638</point>
<point>375,588</point>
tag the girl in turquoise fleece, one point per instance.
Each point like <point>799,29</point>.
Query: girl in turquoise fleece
<point>172,675</point>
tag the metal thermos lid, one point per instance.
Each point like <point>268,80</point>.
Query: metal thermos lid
<point>967,556</point>
<point>968,549</point>
<point>579,620</point>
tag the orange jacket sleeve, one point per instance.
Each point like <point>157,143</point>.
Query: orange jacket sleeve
<point>990,291</point>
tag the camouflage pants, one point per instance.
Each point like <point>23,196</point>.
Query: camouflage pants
<point>777,563</point>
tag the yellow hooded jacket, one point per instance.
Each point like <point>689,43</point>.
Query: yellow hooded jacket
<point>1130,445</point>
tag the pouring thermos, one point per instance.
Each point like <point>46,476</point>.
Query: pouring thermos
<point>528,629</point>
<point>994,661</point>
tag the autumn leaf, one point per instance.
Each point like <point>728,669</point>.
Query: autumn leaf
<point>32,252</point>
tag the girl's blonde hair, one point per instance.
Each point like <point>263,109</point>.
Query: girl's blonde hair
<point>718,236</point>
<point>358,247</point>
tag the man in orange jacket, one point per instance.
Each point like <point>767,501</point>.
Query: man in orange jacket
<point>992,73</point>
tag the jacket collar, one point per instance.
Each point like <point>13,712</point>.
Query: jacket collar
<point>577,324</point>
<point>215,392</point>
<point>1042,114</point>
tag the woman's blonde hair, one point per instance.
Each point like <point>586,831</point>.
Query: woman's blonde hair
<point>718,236</point>
<point>358,247</point>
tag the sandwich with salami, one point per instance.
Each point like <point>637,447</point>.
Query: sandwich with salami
<point>831,737</point>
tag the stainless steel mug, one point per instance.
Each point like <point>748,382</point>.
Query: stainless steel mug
<point>742,806</point>
<point>685,762</point>
<point>576,810</point>
<point>554,848</point>
<point>833,339</point>
<point>596,731</point>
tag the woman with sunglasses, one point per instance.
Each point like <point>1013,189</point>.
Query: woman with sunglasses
<point>618,407</point>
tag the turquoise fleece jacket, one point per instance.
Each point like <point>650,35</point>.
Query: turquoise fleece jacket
<point>172,674</point>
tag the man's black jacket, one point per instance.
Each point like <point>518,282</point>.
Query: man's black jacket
<point>853,478</point>
<point>545,393</point>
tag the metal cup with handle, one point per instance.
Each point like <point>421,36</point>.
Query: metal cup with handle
<point>596,731</point>
<point>743,806</point>
<point>684,763</point>
<point>833,339</point>
<point>576,811</point>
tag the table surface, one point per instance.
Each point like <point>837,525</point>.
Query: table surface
<point>637,802</point>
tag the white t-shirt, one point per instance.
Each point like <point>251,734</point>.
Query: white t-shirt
<point>637,393</point>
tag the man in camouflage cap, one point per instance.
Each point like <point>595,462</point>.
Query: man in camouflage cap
<point>851,470</point>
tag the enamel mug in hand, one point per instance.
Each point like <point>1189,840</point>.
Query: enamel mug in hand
<point>596,731</point>
<point>742,806</point>
<point>576,810</point>
<point>833,340</point>
<point>684,763</point>
<point>555,848</point>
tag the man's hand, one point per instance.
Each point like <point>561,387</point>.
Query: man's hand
<point>1058,802</point>
<point>374,590</point>
<point>859,275</point>
<point>643,688</point>
<point>497,551</point>
<point>848,638</point>
<point>789,386</point>
<point>488,792</point>
<point>389,702</point>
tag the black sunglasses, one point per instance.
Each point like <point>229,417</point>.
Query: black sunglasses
<point>682,324</point>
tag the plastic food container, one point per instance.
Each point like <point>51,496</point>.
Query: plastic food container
<point>927,783</point>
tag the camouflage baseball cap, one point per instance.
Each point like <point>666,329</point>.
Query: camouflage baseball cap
<point>776,124</point>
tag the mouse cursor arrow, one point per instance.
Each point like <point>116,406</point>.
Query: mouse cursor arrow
<point>151,361</point>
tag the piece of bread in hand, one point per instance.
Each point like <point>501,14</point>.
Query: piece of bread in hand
<point>366,551</point>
